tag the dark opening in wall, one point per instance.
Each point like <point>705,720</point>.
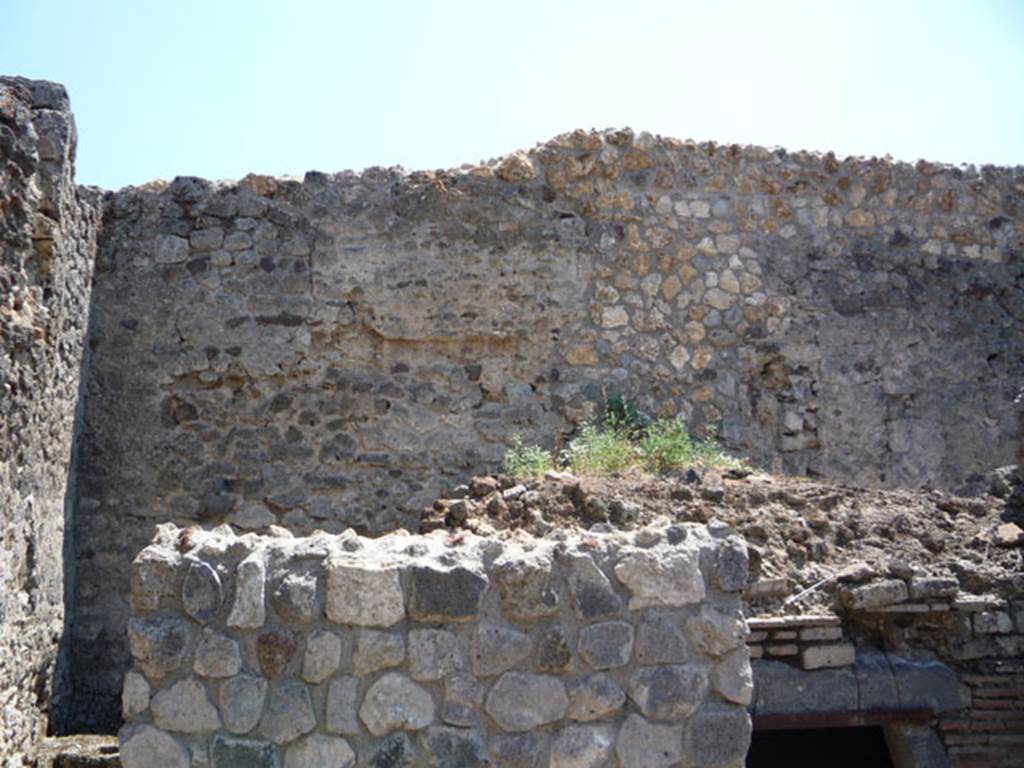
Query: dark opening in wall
<point>832,747</point>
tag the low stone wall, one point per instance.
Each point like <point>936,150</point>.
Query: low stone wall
<point>47,245</point>
<point>592,650</point>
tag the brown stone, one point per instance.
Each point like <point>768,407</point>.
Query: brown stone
<point>275,650</point>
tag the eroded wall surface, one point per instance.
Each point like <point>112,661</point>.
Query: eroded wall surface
<point>47,246</point>
<point>340,350</point>
<point>611,649</point>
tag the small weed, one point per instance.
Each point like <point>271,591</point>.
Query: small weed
<point>599,451</point>
<point>526,461</point>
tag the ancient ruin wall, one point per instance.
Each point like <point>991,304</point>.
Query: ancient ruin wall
<point>307,353</point>
<point>47,247</point>
<point>597,649</point>
<point>338,351</point>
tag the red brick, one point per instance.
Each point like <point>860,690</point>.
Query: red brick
<point>998,693</point>
<point>957,739</point>
<point>954,725</point>
<point>995,704</point>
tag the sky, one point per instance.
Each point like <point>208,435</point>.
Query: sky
<point>221,88</point>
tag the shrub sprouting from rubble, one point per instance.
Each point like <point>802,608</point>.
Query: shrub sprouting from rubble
<point>625,439</point>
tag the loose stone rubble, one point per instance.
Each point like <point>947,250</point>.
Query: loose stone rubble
<point>440,650</point>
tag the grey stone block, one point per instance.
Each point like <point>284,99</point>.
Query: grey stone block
<point>594,697</point>
<point>201,592</point>
<point>641,744</point>
<point>232,752</point>
<point>396,751</point>
<point>143,746</point>
<point>160,645</point>
<point>517,750</point>
<point>780,689</point>
<point>497,648</point>
<point>520,701</point>
<point>925,682</point>
<point>717,737</point>
<point>592,593</point>
<point>876,686</point>
<point>668,692</point>
<point>395,702</point>
<point>607,645</point>
<point>288,714</point>
<point>915,746</point>
<point>581,746</point>
<point>660,639</point>
<point>446,595</point>
<point>241,702</point>
<point>455,748</point>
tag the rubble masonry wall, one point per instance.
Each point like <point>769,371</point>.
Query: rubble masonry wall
<point>47,247</point>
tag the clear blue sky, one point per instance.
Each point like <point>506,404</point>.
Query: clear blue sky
<point>220,88</point>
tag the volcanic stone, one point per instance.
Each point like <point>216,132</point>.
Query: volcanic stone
<point>645,745</point>
<point>582,746</point>
<point>497,649</point>
<point>342,700</point>
<point>660,639</point>
<point>668,692</point>
<point>323,656</point>
<point>201,592</point>
<point>455,748</point>
<point>594,697</point>
<point>217,655</point>
<point>231,752</point>
<point>521,701</point>
<point>289,713</point>
<point>607,645</point>
<point>553,654</point>
<point>718,736</point>
<point>185,707</point>
<point>319,751</point>
<point>661,577</point>
<point>143,746</point>
<point>446,595</point>
<point>275,650</point>
<point>396,751</point>
<point>249,611</point>
<point>394,702</point>
<point>592,592</point>
<point>367,595</point>
<point>377,650</point>
<point>241,702</point>
<point>434,654</point>
<point>134,695</point>
<point>160,645</point>
<point>524,588</point>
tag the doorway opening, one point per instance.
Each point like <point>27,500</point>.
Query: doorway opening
<point>834,747</point>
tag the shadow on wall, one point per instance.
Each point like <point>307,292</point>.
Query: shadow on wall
<point>64,718</point>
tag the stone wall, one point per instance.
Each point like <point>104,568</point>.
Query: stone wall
<point>339,351</point>
<point>47,246</point>
<point>607,649</point>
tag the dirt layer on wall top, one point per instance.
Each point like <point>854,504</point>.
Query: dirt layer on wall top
<point>800,533</point>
